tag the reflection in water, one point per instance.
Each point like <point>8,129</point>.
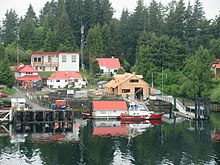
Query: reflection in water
<point>110,142</point>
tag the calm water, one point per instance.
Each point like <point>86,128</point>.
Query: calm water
<point>111,143</point>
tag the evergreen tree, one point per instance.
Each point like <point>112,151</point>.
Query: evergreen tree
<point>2,50</point>
<point>198,73</point>
<point>26,33</point>
<point>10,27</point>
<point>6,75</point>
<point>63,33</point>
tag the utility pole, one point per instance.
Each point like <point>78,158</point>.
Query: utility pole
<point>17,54</point>
<point>81,48</point>
<point>162,80</point>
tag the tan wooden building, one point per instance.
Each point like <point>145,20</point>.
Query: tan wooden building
<point>129,86</point>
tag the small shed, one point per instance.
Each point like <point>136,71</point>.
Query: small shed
<point>108,109</point>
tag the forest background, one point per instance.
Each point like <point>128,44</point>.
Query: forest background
<point>172,46</point>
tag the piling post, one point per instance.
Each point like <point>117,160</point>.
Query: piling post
<point>10,115</point>
<point>174,103</point>
<point>199,109</point>
<point>196,108</point>
<point>171,108</point>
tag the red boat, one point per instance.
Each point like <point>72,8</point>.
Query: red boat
<point>140,113</point>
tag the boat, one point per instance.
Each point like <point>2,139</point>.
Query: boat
<point>140,112</point>
<point>86,115</point>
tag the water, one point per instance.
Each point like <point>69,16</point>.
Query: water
<point>111,143</point>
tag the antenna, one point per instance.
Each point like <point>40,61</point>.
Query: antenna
<point>81,48</point>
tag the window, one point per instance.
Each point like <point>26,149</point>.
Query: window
<point>125,90</point>
<point>114,111</point>
<point>63,58</point>
<point>49,58</point>
<point>39,59</point>
<point>134,81</point>
<point>57,80</point>
<point>73,58</point>
<point>35,59</point>
<point>65,80</point>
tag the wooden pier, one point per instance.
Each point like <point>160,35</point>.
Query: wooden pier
<point>12,116</point>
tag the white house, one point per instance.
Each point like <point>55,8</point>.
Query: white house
<point>108,65</point>
<point>111,109</point>
<point>23,70</point>
<point>61,79</point>
<point>55,61</point>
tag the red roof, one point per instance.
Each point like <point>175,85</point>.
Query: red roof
<point>65,75</point>
<point>20,65</point>
<point>29,78</point>
<point>109,105</point>
<point>105,131</point>
<point>216,65</point>
<point>53,53</point>
<point>109,63</point>
<point>26,68</point>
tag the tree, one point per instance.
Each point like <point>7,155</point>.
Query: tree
<point>198,73</point>
<point>2,50</point>
<point>63,33</point>
<point>6,75</point>
<point>10,27</point>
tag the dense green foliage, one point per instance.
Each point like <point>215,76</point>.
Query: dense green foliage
<point>151,39</point>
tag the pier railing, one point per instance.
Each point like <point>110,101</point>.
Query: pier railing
<point>170,99</point>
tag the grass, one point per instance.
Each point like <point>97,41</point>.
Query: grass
<point>45,74</point>
<point>8,91</point>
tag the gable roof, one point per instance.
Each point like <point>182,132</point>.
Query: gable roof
<point>109,105</point>
<point>19,65</point>
<point>26,68</point>
<point>109,63</point>
<point>121,78</point>
<point>27,78</point>
<point>65,75</point>
<point>216,65</point>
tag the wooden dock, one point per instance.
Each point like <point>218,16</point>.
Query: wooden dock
<point>36,115</point>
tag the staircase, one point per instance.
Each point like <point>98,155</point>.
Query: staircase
<point>181,108</point>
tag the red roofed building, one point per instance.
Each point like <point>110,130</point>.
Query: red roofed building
<point>108,65</point>
<point>23,70</point>
<point>216,70</point>
<point>61,79</point>
<point>109,109</point>
<point>25,75</point>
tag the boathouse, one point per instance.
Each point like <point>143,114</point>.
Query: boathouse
<point>108,109</point>
<point>128,85</point>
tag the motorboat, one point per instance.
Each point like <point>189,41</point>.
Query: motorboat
<point>140,112</point>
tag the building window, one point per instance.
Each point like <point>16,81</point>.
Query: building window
<point>57,80</point>
<point>134,81</point>
<point>65,80</point>
<point>49,58</point>
<point>39,59</point>
<point>125,90</point>
<point>73,58</point>
<point>63,58</point>
<point>114,111</point>
<point>35,59</point>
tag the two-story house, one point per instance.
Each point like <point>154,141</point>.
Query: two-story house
<point>55,61</point>
<point>25,75</point>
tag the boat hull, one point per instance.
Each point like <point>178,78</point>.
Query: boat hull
<point>154,116</point>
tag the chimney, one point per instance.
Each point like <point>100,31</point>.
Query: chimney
<point>66,72</point>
